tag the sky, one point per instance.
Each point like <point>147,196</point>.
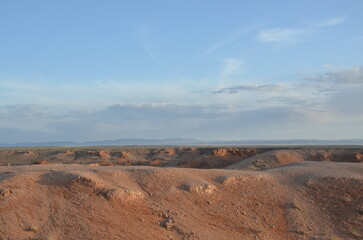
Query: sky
<point>86,70</point>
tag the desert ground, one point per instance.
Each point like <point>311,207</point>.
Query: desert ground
<point>165,192</point>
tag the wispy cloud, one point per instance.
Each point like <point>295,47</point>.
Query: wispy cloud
<point>77,96</point>
<point>346,101</point>
<point>331,22</point>
<point>147,46</point>
<point>352,76</point>
<point>231,67</point>
<point>230,38</point>
<point>146,36</point>
<point>147,121</point>
<point>341,91</point>
<point>247,87</point>
<point>290,35</point>
<point>148,49</point>
<point>281,35</point>
<point>283,109</point>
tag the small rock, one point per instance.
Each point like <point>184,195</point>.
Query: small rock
<point>120,194</point>
<point>298,232</point>
<point>294,206</point>
<point>32,229</point>
<point>200,189</point>
<point>42,162</point>
<point>168,224</point>
<point>5,192</point>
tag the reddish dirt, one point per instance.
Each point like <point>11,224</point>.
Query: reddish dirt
<point>263,194</point>
<point>308,200</point>
<point>282,157</point>
<point>186,157</point>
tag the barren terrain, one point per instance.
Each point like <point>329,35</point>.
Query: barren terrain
<point>181,193</point>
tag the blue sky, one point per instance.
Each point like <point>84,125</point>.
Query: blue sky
<point>95,70</point>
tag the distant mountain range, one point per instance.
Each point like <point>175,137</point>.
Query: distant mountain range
<point>184,141</point>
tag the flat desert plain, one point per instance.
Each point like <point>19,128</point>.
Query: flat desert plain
<point>181,193</point>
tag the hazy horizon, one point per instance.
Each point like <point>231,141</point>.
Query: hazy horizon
<point>211,70</point>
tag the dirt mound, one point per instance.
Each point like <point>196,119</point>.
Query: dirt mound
<point>245,158</point>
<point>269,159</point>
<point>220,152</point>
<point>304,200</point>
<point>282,157</point>
<point>42,162</point>
<point>170,151</point>
<point>188,157</point>
<point>104,154</point>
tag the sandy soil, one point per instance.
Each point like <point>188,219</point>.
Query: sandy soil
<point>301,200</point>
